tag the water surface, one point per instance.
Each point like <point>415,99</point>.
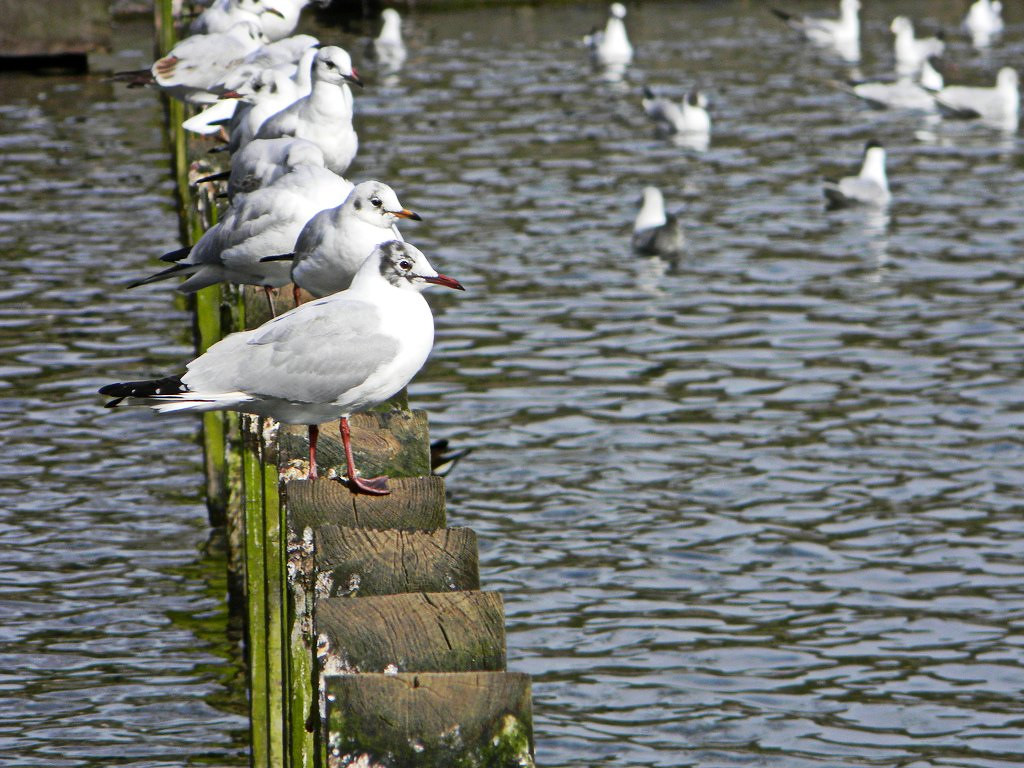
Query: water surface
<point>759,506</point>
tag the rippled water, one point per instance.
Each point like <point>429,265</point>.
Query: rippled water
<point>759,506</point>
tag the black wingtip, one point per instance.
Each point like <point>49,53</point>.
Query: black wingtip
<point>782,14</point>
<point>648,93</point>
<point>278,257</point>
<point>222,176</point>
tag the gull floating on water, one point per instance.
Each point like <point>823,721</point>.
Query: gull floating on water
<point>387,49</point>
<point>689,116</point>
<point>998,106</point>
<point>906,92</point>
<point>911,51</point>
<point>869,187</point>
<point>610,48</point>
<point>323,360</point>
<point>841,35</point>
<point>655,232</point>
<point>325,115</point>
<point>984,21</point>
<point>335,242</point>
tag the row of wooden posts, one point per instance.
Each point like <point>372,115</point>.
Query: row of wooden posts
<point>368,640</point>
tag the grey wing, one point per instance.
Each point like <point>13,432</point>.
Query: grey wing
<point>317,355</point>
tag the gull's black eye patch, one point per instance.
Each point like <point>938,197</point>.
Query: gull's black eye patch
<point>376,201</point>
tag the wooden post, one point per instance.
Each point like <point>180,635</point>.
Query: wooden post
<point>428,719</point>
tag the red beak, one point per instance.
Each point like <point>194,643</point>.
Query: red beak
<point>447,282</point>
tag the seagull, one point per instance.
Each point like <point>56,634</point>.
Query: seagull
<point>335,242</point>
<point>655,232</point>
<point>984,21</point>
<point>284,23</point>
<point>323,360</point>
<point>192,68</point>
<point>224,14</point>
<point>997,106</point>
<point>912,52</point>
<point>842,34</point>
<point>869,187</point>
<point>265,222</point>
<point>270,91</point>
<point>610,48</point>
<point>905,92</point>
<point>688,116</point>
<point>387,49</point>
<point>263,161</point>
<point>325,115</point>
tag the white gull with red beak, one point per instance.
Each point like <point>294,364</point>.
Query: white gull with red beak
<point>324,117</point>
<point>323,360</point>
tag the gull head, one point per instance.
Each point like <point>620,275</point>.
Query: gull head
<point>1007,78</point>
<point>333,65</point>
<point>404,266</point>
<point>901,25</point>
<point>391,18</point>
<point>376,203</point>
<point>697,98</point>
<point>618,10</point>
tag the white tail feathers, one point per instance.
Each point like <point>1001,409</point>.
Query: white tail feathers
<point>197,401</point>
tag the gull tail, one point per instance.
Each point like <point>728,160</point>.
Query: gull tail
<point>135,78</point>
<point>162,275</point>
<point>148,388</point>
<point>278,257</point>
<point>222,176</point>
<point>172,256</point>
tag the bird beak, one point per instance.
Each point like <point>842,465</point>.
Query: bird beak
<point>405,213</point>
<point>275,12</point>
<point>354,78</point>
<point>447,282</point>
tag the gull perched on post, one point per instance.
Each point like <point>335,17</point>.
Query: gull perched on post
<point>326,359</point>
<point>335,242</point>
<point>324,117</point>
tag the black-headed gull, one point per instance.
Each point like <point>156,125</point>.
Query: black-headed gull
<point>656,232</point>
<point>998,106</point>
<point>911,51</point>
<point>984,21</point>
<point>335,242</point>
<point>443,457</point>
<point>610,48</point>
<point>263,161</point>
<point>264,223</point>
<point>221,15</point>
<point>388,49</point>
<point>869,187</point>
<point>323,360</point>
<point>841,34</point>
<point>325,115</point>
<point>915,94</point>
<point>688,116</point>
<point>192,69</point>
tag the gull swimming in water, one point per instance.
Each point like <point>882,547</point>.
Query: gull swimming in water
<point>984,21</point>
<point>909,93</point>
<point>323,360</point>
<point>690,116</point>
<point>998,106</point>
<point>387,49</point>
<point>655,232</point>
<point>869,187</point>
<point>610,48</point>
<point>911,51</point>
<point>842,34</point>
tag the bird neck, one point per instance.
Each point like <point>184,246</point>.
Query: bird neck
<point>874,168</point>
<point>652,214</point>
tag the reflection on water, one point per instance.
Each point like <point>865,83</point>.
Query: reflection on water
<point>757,506</point>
